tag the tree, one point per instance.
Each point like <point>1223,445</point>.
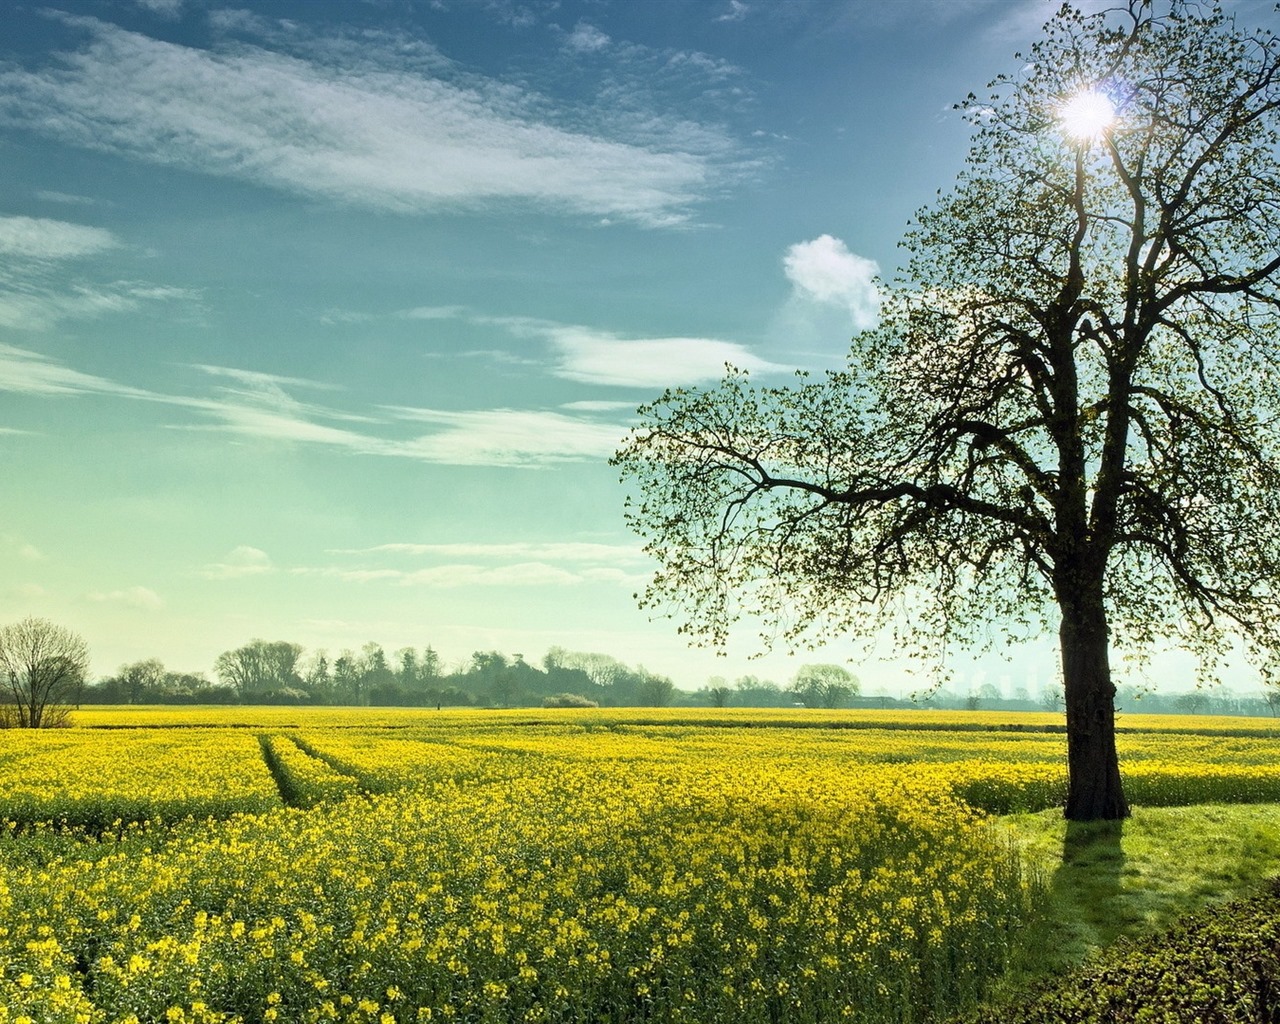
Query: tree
<point>142,679</point>
<point>824,686</point>
<point>44,667</point>
<point>260,667</point>
<point>718,691</point>
<point>1066,415</point>
<point>653,690</point>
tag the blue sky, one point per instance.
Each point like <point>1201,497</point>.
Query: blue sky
<point>319,320</point>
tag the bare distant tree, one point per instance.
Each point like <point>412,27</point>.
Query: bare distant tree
<point>43,667</point>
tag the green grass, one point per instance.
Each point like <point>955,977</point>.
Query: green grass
<point>1130,879</point>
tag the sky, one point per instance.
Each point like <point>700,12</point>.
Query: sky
<point>319,321</point>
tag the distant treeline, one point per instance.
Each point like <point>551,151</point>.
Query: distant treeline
<point>280,672</point>
<point>277,672</point>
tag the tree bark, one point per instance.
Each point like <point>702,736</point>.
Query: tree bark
<point>1094,788</point>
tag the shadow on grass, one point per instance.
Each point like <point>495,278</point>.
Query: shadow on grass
<point>1086,906</point>
<point>1089,881</point>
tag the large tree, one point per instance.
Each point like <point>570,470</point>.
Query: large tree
<point>43,667</point>
<point>1068,413</point>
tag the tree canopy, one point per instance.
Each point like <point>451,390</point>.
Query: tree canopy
<point>1067,415</point>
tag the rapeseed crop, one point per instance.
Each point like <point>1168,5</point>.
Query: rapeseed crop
<point>541,867</point>
<point>97,779</point>
<point>538,888</point>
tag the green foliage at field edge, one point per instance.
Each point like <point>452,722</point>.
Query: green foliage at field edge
<point>1219,966</point>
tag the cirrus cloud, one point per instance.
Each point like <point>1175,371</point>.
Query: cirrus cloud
<point>364,125</point>
<point>42,238</point>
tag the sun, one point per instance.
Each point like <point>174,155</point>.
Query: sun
<point>1087,115</point>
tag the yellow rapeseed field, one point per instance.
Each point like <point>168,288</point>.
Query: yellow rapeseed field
<point>251,864</point>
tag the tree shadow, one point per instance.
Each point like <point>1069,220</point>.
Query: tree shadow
<point>1085,906</point>
<point>1089,882</point>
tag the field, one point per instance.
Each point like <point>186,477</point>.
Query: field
<point>285,864</point>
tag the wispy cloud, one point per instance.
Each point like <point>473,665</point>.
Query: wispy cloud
<point>30,373</point>
<point>541,564</point>
<point>66,198</point>
<point>40,238</point>
<point>259,405</point>
<point>28,302</point>
<point>164,8</point>
<point>240,562</point>
<point>593,356</point>
<point>131,597</point>
<point>358,125</point>
<point>508,437</point>
<point>565,551</point>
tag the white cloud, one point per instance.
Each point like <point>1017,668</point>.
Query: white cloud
<point>825,271</point>
<point>30,553</point>
<point>240,562</point>
<point>31,591</point>
<point>586,38</point>
<point>358,125</point>
<point>164,8</point>
<point>592,405</point>
<point>39,238</point>
<point>131,597</point>
<point>598,358</point>
<point>519,563</point>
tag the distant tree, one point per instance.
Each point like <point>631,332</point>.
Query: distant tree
<point>142,680</point>
<point>259,668</point>
<point>44,667</point>
<point>317,678</point>
<point>718,691</point>
<point>374,670</point>
<point>602,669</point>
<point>1051,697</point>
<point>752,691</point>
<point>347,679</point>
<point>429,665</point>
<point>493,676</point>
<point>1066,419</point>
<point>654,691</point>
<point>408,674</point>
<point>824,686</point>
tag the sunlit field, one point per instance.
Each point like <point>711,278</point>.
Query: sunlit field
<point>288,864</point>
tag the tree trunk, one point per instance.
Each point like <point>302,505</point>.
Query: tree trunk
<point>1094,789</point>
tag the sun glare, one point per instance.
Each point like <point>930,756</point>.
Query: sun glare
<point>1086,115</point>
